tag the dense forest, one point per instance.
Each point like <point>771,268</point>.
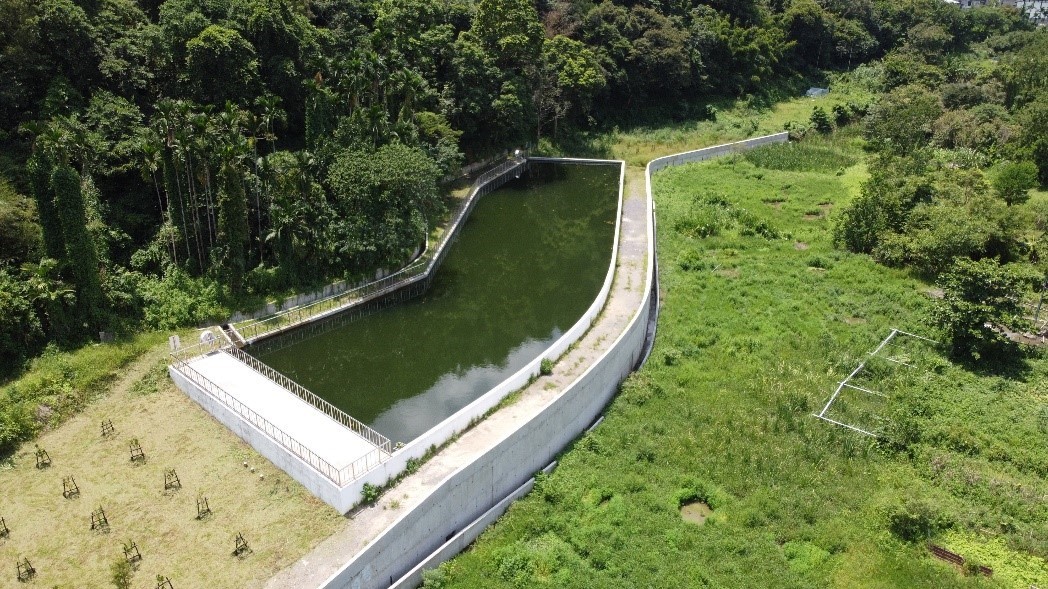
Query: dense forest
<point>956,141</point>
<point>162,160</point>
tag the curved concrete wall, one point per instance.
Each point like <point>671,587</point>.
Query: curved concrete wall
<point>700,155</point>
<point>474,489</point>
<point>443,431</point>
<point>473,497</point>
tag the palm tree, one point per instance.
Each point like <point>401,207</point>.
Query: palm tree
<point>149,147</point>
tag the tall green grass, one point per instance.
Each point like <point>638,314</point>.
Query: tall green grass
<point>753,338</point>
<point>804,156</point>
<point>58,384</point>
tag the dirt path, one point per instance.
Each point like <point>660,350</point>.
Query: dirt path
<point>626,293</point>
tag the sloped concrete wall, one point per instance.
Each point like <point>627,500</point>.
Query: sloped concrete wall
<point>700,155</point>
<point>472,490</point>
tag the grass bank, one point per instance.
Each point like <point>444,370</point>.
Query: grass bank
<point>730,121</point>
<point>761,318</point>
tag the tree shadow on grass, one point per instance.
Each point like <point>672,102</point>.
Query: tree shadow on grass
<point>1010,362</point>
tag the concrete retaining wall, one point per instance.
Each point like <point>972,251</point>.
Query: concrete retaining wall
<point>700,155</point>
<point>264,444</point>
<point>461,540</point>
<point>472,490</point>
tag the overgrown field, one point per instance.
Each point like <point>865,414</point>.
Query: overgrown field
<point>739,120</point>
<point>761,318</point>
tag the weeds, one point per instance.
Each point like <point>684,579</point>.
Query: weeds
<point>721,413</point>
<point>805,156</point>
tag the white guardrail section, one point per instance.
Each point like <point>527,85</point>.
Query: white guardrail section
<point>383,444</point>
<point>424,265</point>
<point>180,362</point>
<point>340,476</point>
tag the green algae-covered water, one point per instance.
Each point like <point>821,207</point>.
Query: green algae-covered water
<point>529,261</point>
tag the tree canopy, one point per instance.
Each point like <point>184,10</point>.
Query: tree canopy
<point>263,145</point>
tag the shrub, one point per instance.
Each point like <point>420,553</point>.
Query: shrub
<point>546,367</point>
<point>1014,181</point>
<point>972,568</point>
<point>121,574</point>
<point>841,116</point>
<point>700,223</point>
<point>178,300</point>
<point>693,261</point>
<point>880,209</point>
<point>819,262</point>
<point>21,332</point>
<point>639,387</point>
<point>672,357</point>
<point>977,298</point>
<point>916,520</point>
<point>438,578</point>
<point>820,121</point>
<point>703,491</point>
<point>370,493</point>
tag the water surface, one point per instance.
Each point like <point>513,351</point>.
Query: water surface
<point>530,259</point>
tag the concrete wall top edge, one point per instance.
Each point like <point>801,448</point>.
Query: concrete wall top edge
<point>570,335</point>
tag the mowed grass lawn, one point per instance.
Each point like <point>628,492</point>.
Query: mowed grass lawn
<point>761,318</point>
<point>279,519</point>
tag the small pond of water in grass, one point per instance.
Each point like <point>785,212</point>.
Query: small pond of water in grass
<point>529,261</point>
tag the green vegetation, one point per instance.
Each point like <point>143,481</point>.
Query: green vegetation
<point>187,157</point>
<point>162,162</point>
<point>60,384</point>
<point>754,334</point>
<point>981,297</point>
<point>806,156</point>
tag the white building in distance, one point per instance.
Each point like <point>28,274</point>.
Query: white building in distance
<point>1035,10</point>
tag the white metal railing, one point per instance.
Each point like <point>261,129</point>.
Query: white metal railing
<point>376,439</point>
<point>184,354</point>
<point>421,268</point>
<point>339,476</point>
<point>847,384</point>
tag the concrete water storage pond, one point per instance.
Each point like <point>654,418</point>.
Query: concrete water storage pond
<point>529,261</point>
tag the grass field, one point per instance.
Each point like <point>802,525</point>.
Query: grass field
<point>277,516</point>
<point>761,318</point>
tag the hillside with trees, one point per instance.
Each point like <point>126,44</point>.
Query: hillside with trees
<point>162,162</point>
